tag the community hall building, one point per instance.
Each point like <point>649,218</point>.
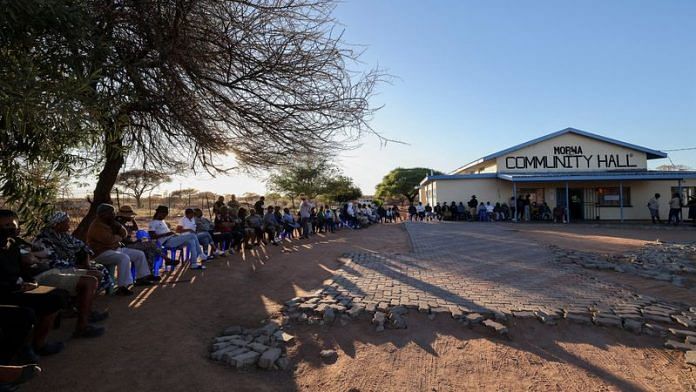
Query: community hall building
<point>592,176</point>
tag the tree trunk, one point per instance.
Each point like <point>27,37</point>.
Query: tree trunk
<point>114,159</point>
<point>138,202</point>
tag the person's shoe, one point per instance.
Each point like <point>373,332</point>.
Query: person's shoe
<point>123,291</point>
<point>50,348</point>
<point>211,257</point>
<point>274,242</point>
<point>142,282</point>
<point>155,279</point>
<point>96,316</point>
<point>90,331</point>
<point>219,253</point>
<point>198,267</point>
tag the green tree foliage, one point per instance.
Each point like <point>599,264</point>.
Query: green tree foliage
<point>341,190</point>
<point>313,178</point>
<point>308,177</point>
<point>402,182</point>
<point>41,122</point>
<point>136,182</point>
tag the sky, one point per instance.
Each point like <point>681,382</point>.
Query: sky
<point>471,78</point>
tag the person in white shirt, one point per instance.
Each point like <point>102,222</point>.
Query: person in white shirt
<point>187,224</point>
<point>421,211</point>
<point>654,207</point>
<point>305,221</point>
<point>159,231</point>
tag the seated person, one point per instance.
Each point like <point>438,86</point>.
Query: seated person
<point>504,211</point>
<point>187,224</point>
<point>126,217</point>
<point>66,252</point>
<point>489,211</point>
<point>270,225</point>
<point>160,232</point>
<point>230,227</point>
<point>104,236</point>
<point>254,224</point>
<point>204,224</point>
<point>289,223</point>
<point>482,213</point>
<point>16,289</point>
<point>545,211</point>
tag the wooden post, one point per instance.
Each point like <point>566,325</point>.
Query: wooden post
<point>621,203</point>
<point>567,203</point>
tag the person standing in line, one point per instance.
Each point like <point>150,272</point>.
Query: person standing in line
<point>305,213</point>
<point>654,207</point>
<point>527,208</point>
<point>473,205</point>
<point>259,206</point>
<point>675,206</point>
<point>421,211</point>
<point>412,212</point>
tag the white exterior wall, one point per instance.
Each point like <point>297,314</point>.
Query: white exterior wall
<point>486,189</point>
<point>591,149</point>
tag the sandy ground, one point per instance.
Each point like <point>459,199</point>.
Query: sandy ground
<point>158,339</point>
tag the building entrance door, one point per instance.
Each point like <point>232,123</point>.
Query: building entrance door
<point>576,206</point>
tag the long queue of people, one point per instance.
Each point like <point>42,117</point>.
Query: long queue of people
<point>520,209</point>
<point>56,273</point>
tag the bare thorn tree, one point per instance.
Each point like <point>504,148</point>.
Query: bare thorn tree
<point>189,81</point>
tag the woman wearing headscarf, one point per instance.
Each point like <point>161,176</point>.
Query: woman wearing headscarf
<point>65,251</point>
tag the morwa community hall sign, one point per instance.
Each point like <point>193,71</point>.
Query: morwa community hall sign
<point>571,157</point>
<point>571,152</point>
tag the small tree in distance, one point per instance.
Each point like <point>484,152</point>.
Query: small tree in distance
<point>341,190</point>
<point>308,177</point>
<point>403,182</point>
<point>136,182</point>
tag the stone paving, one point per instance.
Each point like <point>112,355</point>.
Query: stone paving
<point>669,262</point>
<point>475,271</point>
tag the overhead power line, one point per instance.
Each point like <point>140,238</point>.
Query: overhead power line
<point>680,149</point>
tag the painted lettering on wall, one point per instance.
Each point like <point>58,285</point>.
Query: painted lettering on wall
<point>571,157</point>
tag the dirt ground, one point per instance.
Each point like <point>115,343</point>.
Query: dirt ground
<point>158,340</point>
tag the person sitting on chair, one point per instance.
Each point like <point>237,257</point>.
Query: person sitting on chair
<point>126,217</point>
<point>66,252</point>
<point>159,231</point>
<point>187,224</point>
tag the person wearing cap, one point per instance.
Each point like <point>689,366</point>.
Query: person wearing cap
<point>126,217</point>
<point>187,224</point>
<point>159,230</point>
<point>305,216</point>
<point>105,236</point>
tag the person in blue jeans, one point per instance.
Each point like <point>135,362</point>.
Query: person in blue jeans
<point>159,230</point>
